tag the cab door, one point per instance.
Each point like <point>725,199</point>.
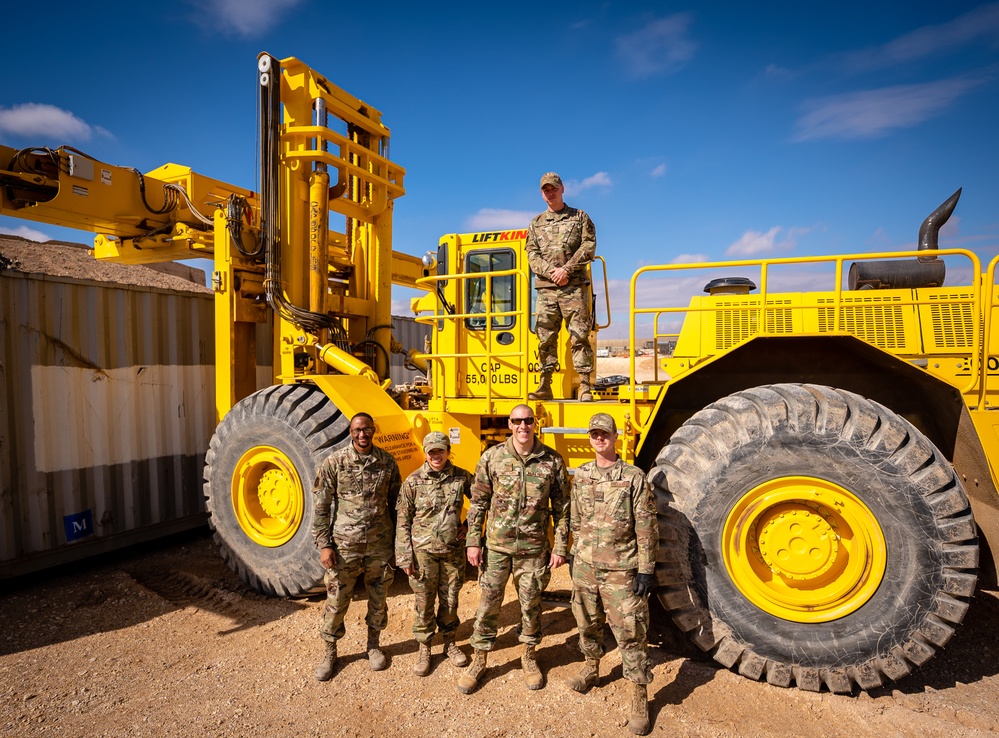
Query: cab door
<point>495,324</point>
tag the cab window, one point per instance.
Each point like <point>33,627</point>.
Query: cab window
<point>503,297</point>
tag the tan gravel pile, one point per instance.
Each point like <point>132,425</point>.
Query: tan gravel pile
<point>61,259</point>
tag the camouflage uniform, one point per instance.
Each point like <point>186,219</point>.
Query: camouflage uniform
<point>613,523</point>
<point>355,497</point>
<point>565,239</point>
<point>431,537</point>
<point>519,495</point>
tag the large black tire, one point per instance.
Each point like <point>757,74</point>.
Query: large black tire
<point>814,536</point>
<point>259,471</point>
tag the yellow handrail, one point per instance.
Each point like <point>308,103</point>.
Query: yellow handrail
<point>603,264</point>
<point>983,358</point>
<point>488,316</point>
<point>764,309</point>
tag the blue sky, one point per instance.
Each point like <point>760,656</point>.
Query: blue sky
<point>687,131</point>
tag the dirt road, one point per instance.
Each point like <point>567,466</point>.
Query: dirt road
<point>165,641</point>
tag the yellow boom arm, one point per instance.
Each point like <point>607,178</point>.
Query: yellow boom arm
<point>164,215</point>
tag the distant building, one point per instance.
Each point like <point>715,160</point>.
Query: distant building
<point>620,346</point>
<point>666,347</point>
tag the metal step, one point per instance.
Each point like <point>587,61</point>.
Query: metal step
<point>561,431</point>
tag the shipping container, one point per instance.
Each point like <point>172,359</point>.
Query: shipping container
<point>411,335</point>
<point>107,405</point>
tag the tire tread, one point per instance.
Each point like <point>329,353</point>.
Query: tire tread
<point>748,419</point>
<point>321,426</point>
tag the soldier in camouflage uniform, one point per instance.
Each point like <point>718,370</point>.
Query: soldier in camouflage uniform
<point>355,496</point>
<point>430,546</point>
<point>615,542</point>
<point>518,486</point>
<point>561,242</point>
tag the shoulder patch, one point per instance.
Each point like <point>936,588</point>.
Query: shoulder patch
<point>650,505</point>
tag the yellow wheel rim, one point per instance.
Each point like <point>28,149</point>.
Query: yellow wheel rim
<point>267,496</point>
<point>804,549</point>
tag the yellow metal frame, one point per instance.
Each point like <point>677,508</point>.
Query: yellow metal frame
<point>450,399</point>
<point>315,255</point>
<point>562,422</point>
<point>366,185</point>
<point>800,314</point>
<point>603,265</point>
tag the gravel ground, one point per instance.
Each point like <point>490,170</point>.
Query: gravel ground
<point>163,640</point>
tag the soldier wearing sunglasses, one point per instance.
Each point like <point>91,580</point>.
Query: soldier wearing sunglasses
<point>518,486</point>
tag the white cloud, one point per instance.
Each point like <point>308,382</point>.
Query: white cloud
<point>756,243</point>
<point>660,47</point>
<point>978,24</point>
<point>777,72</point>
<point>24,232</point>
<point>42,120</point>
<point>881,240</point>
<point>402,307</point>
<point>492,218</point>
<point>672,290</point>
<point>658,171</point>
<point>246,18</point>
<point>872,113</point>
<point>689,259</point>
<point>600,179</point>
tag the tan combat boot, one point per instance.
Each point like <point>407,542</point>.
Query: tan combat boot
<point>454,654</point>
<point>474,672</point>
<point>376,657</point>
<point>638,721</point>
<point>532,674</point>
<point>422,667</point>
<point>585,390</point>
<point>544,390</point>
<point>324,672</point>
<point>588,676</point>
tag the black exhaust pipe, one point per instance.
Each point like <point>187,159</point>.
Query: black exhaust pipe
<point>929,231</point>
<point>925,271</point>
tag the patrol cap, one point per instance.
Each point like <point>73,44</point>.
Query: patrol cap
<point>436,440</point>
<point>551,179</point>
<point>604,422</point>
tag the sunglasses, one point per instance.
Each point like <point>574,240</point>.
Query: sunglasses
<point>518,421</point>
